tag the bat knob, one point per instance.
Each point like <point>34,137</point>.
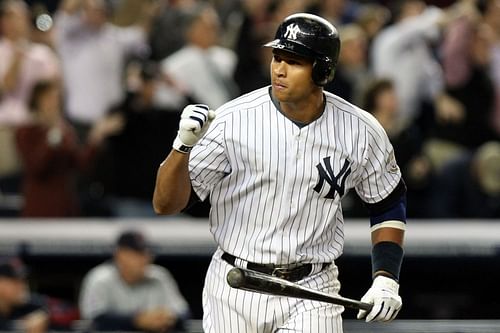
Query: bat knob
<point>235,277</point>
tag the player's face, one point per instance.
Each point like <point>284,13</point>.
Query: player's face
<point>291,77</point>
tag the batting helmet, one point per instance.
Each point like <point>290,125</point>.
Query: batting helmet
<point>313,37</point>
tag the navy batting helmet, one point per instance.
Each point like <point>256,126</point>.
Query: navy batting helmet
<point>313,37</point>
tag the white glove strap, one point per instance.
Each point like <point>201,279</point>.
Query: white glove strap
<point>384,283</point>
<point>180,146</point>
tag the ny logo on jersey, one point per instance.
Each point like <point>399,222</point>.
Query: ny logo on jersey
<point>291,31</point>
<point>336,182</point>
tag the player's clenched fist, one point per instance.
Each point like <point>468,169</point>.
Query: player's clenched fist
<point>383,294</point>
<point>195,120</point>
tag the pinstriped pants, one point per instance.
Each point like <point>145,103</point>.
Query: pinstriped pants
<point>228,310</point>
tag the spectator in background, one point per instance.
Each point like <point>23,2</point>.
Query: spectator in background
<point>466,61</point>
<point>136,151</point>
<point>169,19</point>
<point>338,12</point>
<point>19,310</point>
<point>402,52</point>
<point>130,293</point>
<point>51,155</point>
<point>134,12</point>
<point>381,101</point>
<point>280,9</point>
<point>93,53</point>
<point>491,18</point>
<point>202,68</point>
<point>22,64</point>
<point>372,18</point>
<point>252,68</point>
<point>469,186</point>
<point>352,73</point>
<point>42,27</point>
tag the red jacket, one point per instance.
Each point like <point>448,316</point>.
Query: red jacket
<point>50,172</point>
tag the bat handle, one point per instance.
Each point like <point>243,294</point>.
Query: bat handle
<point>365,306</point>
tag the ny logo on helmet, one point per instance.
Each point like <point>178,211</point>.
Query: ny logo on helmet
<point>291,31</point>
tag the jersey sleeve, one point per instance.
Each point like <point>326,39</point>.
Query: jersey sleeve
<point>208,163</point>
<point>381,173</point>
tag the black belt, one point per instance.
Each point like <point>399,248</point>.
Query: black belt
<point>293,274</point>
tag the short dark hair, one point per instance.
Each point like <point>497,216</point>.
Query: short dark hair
<point>133,240</point>
<point>373,91</point>
<point>40,88</point>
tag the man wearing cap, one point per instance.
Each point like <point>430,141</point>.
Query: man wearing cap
<point>130,293</point>
<point>18,310</point>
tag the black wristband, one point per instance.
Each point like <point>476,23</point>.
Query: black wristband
<point>387,257</point>
<point>183,149</point>
<point>180,146</point>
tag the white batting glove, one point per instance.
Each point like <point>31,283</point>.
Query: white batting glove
<point>383,294</point>
<point>195,120</point>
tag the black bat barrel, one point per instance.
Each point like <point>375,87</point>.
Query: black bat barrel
<point>258,282</point>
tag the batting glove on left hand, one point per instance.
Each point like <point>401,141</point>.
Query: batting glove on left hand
<point>195,120</point>
<point>383,294</point>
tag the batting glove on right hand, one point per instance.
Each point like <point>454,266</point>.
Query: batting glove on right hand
<point>195,120</point>
<point>383,294</point>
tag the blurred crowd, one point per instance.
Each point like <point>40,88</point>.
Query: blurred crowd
<point>91,92</point>
<point>126,293</point>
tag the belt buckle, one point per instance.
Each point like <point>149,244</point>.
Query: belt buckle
<point>281,272</point>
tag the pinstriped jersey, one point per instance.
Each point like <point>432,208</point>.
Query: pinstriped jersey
<point>275,187</point>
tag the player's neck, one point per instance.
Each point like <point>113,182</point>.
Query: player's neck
<point>307,109</point>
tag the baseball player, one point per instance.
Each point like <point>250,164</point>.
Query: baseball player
<point>275,164</point>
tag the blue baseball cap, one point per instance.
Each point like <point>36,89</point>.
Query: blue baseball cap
<point>134,240</point>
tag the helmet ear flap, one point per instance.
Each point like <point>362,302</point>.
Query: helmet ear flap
<point>323,71</point>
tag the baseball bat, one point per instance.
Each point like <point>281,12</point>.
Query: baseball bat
<point>249,280</point>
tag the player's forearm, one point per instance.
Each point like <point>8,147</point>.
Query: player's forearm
<point>388,235</point>
<point>387,252</point>
<point>173,186</point>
